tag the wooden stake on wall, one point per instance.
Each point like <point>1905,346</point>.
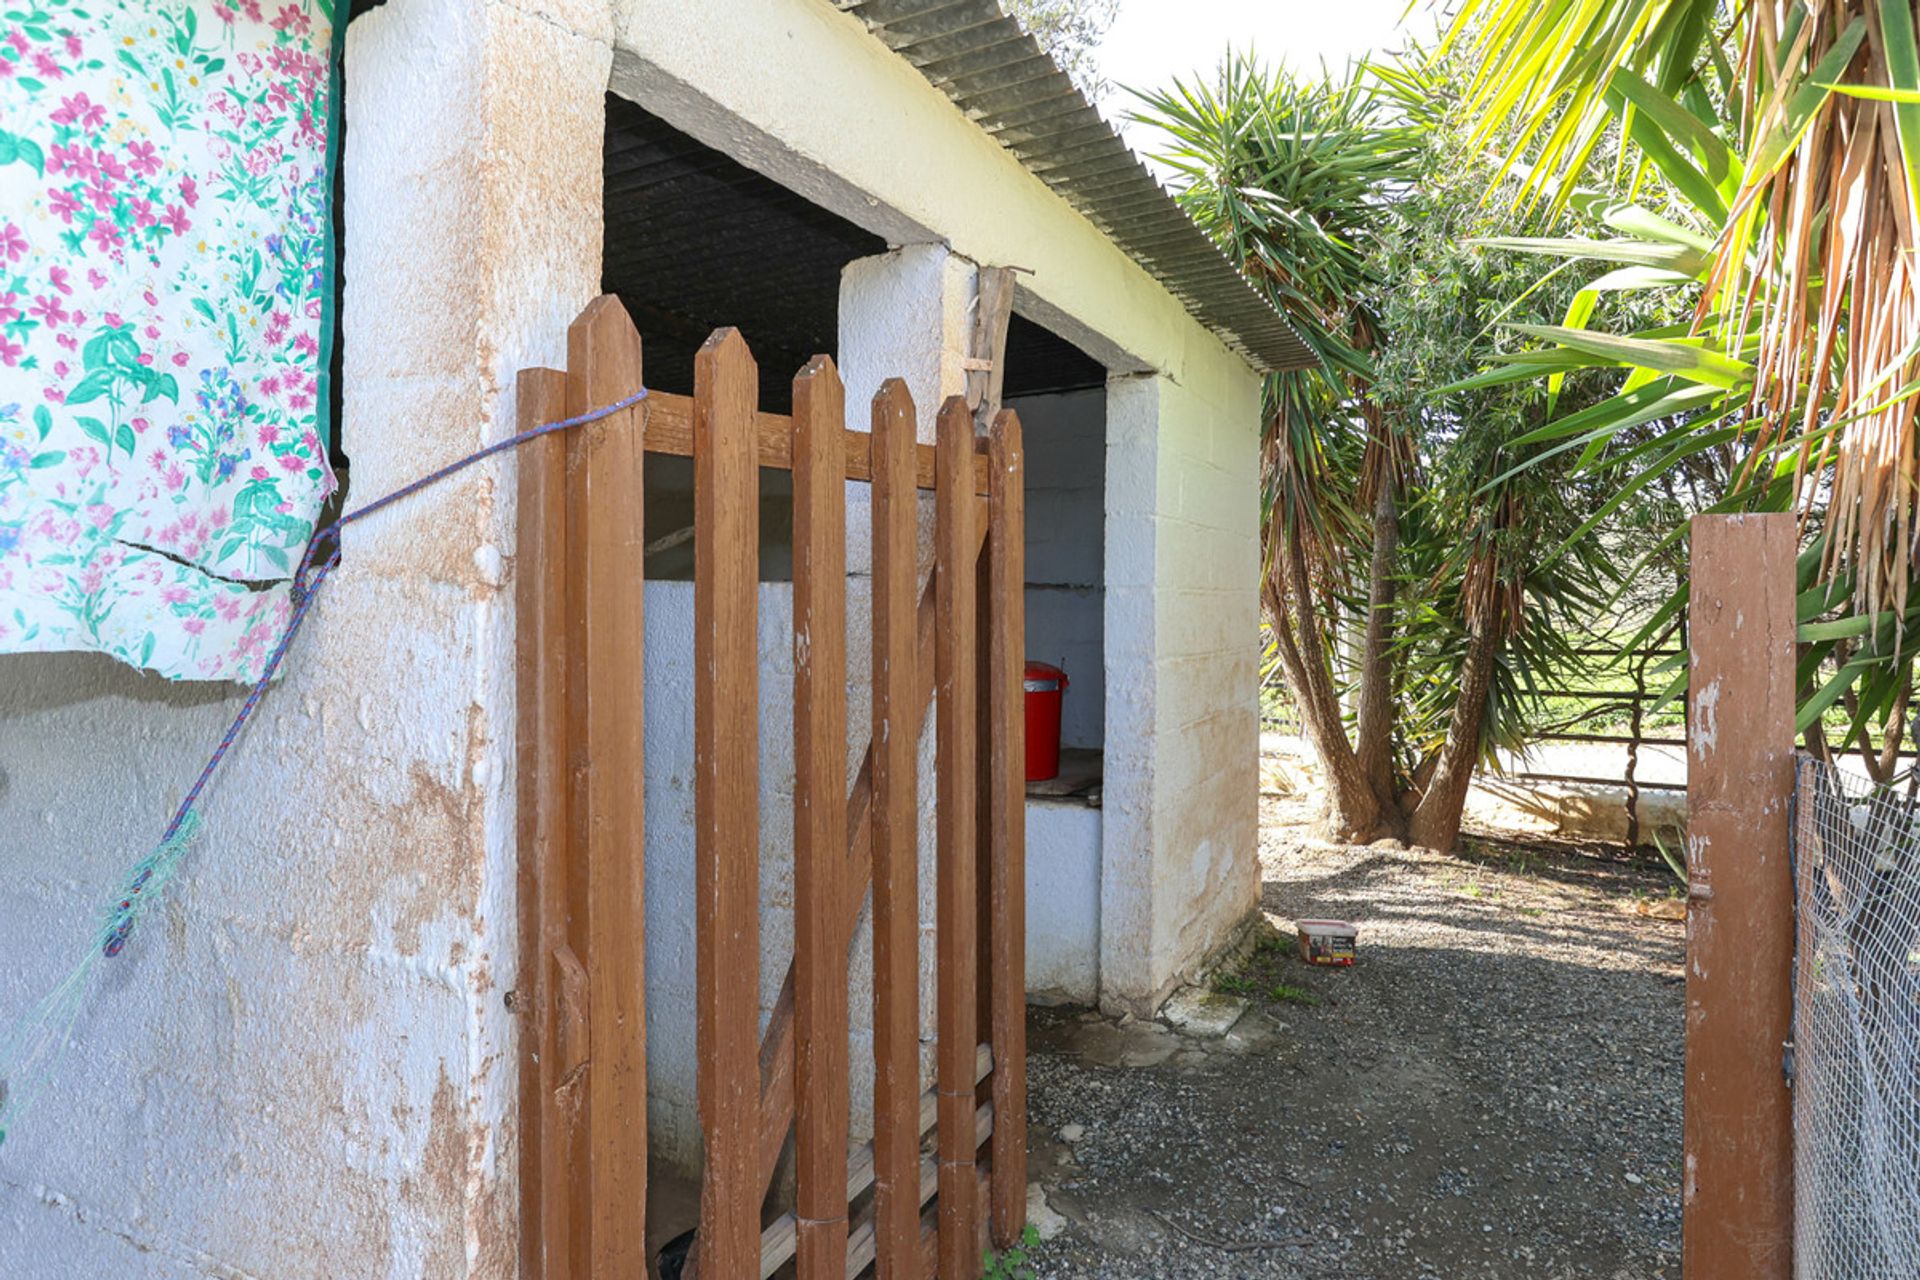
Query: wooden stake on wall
<point>551,1132</point>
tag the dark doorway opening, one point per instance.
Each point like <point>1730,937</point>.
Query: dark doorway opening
<point>694,241</point>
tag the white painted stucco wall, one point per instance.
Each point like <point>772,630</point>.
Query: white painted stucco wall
<point>1063,902</point>
<point>898,158</point>
<point>304,1067</point>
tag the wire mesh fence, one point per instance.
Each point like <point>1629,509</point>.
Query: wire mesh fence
<point>1856,1050</point>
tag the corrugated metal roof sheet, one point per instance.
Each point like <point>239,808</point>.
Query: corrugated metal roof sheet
<point>999,76</point>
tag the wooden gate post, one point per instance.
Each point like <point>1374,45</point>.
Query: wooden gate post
<point>1737,1184</point>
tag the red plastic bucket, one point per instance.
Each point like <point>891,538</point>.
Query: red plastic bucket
<point>1046,686</point>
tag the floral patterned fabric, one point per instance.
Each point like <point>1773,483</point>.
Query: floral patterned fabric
<point>165,309</point>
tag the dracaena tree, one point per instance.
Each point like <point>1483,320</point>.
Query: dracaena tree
<point>1408,584</point>
<point>1506,563</point>
<point>1292,177</point>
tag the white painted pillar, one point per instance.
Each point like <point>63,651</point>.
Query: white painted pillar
<point>473,240</point>
<point>1128,808</point>
<point>1179,838</point>
<point>903,314</point>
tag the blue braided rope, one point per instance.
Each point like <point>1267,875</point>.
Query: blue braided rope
<point>32,1046</point>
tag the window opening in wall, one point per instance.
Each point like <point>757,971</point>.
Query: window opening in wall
<point>695,240</point>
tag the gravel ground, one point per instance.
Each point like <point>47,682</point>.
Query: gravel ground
<point>1493,1090</point>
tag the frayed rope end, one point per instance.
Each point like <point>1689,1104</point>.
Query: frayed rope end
<point>35,1043</point>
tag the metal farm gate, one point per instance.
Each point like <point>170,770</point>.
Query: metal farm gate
<point>956,644</point>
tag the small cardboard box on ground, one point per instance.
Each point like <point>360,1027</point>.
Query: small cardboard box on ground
<point>1328,942</point>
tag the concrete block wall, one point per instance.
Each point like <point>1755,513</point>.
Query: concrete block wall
<point>1179,857</point>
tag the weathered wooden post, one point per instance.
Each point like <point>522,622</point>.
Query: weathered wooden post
<point>1738,1177</point>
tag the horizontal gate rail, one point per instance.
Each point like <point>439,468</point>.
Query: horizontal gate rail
<point>666,420</point>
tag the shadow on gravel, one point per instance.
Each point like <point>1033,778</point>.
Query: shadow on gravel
<point>1487,1093</point>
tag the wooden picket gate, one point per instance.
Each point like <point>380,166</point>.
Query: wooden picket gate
<point>957,644</point>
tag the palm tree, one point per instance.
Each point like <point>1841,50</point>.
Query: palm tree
<point>1406,573</point>
<point>1791,136</point>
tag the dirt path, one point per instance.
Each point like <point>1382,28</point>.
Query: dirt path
<point>1494,1090</point>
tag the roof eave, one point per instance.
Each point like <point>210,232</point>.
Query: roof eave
<point>1002,81</point>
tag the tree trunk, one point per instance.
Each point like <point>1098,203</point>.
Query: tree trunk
<point>1374,720</point>
<point>1436,820</point>
<point>1353,811</point>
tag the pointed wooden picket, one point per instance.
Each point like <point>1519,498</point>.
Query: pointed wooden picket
<point>896,831</point>
<point>820,819</point>
<point>1003,768</point>
<point>956,763</point>
<point>606,525</point>
<point>726,587</point>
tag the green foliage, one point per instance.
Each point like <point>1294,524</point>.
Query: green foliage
<point>1069,30</point>
<point>1494,526</point>
<point>1292,176</point>
<point>1357,201</point>
<point>1011,1263</point>
<point>1232,984</point>
<point>1674,861</point>
<point>1720,149</point>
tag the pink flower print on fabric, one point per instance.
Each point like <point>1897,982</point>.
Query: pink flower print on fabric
<point>124,295</point>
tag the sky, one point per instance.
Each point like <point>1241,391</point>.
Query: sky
<point>1153,41</point>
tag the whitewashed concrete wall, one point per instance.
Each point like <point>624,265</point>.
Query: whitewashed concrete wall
<point>1065,436</point>
<point>1178,858</point>
<point>673,1117</point>
<point>1063,902</point>
<point>888,151</point>
<point>303,1067</point>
